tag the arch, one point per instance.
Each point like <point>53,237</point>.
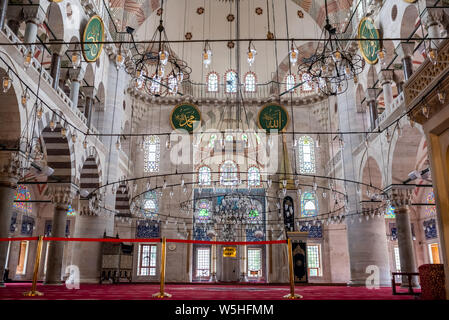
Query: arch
<point>230,79</point>
<point>408,21</point>
<point>309,204</point>
<point>10,120</point>
<point>371,175</point>
<point>122,201</point>
<point>213,81</point>
<point>306,155</point>
<point>59,151</point>
<point>405,150</point>
<point>253,176</point>
<point>250,82</point>
<point>90,171</point>
<point>55,20</point>
<point>204,176</point>
<point>229,173</point>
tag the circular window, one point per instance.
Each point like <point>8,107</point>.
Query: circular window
<point>394,12</point>
<point>69,11</point>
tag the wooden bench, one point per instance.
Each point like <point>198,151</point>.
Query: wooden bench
<point>409,276</point>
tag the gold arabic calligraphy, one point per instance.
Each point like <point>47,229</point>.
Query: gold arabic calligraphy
<point>185,120</point>
<point>273,121</point>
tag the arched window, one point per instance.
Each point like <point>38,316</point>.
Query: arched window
<point>309,204</point>
<point>22,193</point>
<point>231,81</point>
<point>151,154</point>
<point>150,204</point>
<point>228,173</point>
<point>212,82</point>
<point>290,81</point>
<point>203,207</point>
<point>306,155</point>
<point>307,85</point>
<point>389,212</point>
<point>172,84</point>
<point>250,82</point>
<point>204,176</point>
<point>253,177</point>
<point>430,210</point>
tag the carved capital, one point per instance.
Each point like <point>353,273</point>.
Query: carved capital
<point>77,74</point>
<point>9,169</point>
<point>371,94</point>
<point>371,207</point>
<point>58,48</point>
<point>405,49</point>
<point>33,13</point>
<point>61,194</point>
<point>386,76</point>
<point>400,195</point>
<point>89,91</point>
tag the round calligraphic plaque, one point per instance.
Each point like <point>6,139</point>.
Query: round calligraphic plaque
<point>185,116</point>
<point>93,34</point>
<point>273,117</point>
<point>369,48</point>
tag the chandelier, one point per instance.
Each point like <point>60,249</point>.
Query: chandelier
<point>331,67</point>
<point>156,69</point>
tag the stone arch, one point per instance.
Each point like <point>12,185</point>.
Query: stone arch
<point>403,154</point>
<point>10,115</point>
<point>359,97</point>
<point>371,175</point>
<point>56,19</point>
<point>371,77</point>
<point>60,151</point>
<point>122,201</point>
<point>90,171</point>
<point>408,21</point>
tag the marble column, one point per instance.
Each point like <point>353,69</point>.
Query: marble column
<point>3,9</point>
<point>55,70</point>
<point>8,183</point>
<point>33,16</point>
<point>87,255</point>
<point>76,76</point>
<point>371,100</point>
<point>61,196</point>
<point>386,78</point>
<point>366,238</point>
<point>400,197</point>
<point>431,20</point>
<point>405,51</point>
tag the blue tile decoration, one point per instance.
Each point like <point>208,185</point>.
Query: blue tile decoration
<point>430,229</point>
<point>147,229</point>
<point>315,232</point>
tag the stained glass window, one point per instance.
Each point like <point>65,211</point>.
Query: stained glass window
<point>397,259</point>
<point>306,155</point>
<point>22,193</point>
<point>231,81</point>
<point>172,84</point>
<point>151,153</point>
<point>203,207</point>
<point>150,204</point>
<point>204,176</point>
<point>430,210</point>
<point>290,81</point>
<point>228,173</point>
<point>309,204</point>
<point>253,177</point>
<point>250,82</point>
<point>71,212</point>
<point>212,82</point>
<point>307,82</point>
<point>389,212</point>
<point>202,262</point>
<point>254,262</point>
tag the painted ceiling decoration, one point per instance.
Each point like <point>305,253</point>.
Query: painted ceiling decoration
<point>134,12</point>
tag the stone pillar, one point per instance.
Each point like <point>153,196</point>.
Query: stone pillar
<point>61,196</point>
<point>3,9</point>
<point>8,183</point>
<point>76,76</point>
<point>55,70</point>
<point>432,18</point>
<point>89,92</point>
<point>386,78</point>
<point>371,100</point>
<point>366,239</point>
<point>33,16</point>
<point>400,196</point>
<point>87,255</point>
<point>405,51</point>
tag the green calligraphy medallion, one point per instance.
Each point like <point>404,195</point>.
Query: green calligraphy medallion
<point>369,48</point>
<point>93,34</point>
<point>185,116</point>
<point>273,117</point>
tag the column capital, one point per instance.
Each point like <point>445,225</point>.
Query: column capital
<point>62,194</point>
<point>9,169</point>
<point>370,207</point>
<point>89,91</point>
<point>405,49</point>
<point>58,48</point>
<point>371,94</point>
<point>77,74</point>
<point>400,195</point>
<point>29,12</point>
<point>385,76</point>
<point>432,17</point>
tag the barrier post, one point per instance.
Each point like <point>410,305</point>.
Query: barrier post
<point>37,261</point>
<point>292,294</point>
<point>162,294</point>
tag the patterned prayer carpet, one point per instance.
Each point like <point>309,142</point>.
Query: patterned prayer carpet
<point>14,291</point>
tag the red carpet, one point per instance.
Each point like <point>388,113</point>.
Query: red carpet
<point>14,291</point>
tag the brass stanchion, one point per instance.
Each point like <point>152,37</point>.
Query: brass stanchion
<point>37,262</point>
<point>162,293</point>
<point>292,294</point>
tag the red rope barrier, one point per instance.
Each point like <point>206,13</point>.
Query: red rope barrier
<point>230,243</point>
